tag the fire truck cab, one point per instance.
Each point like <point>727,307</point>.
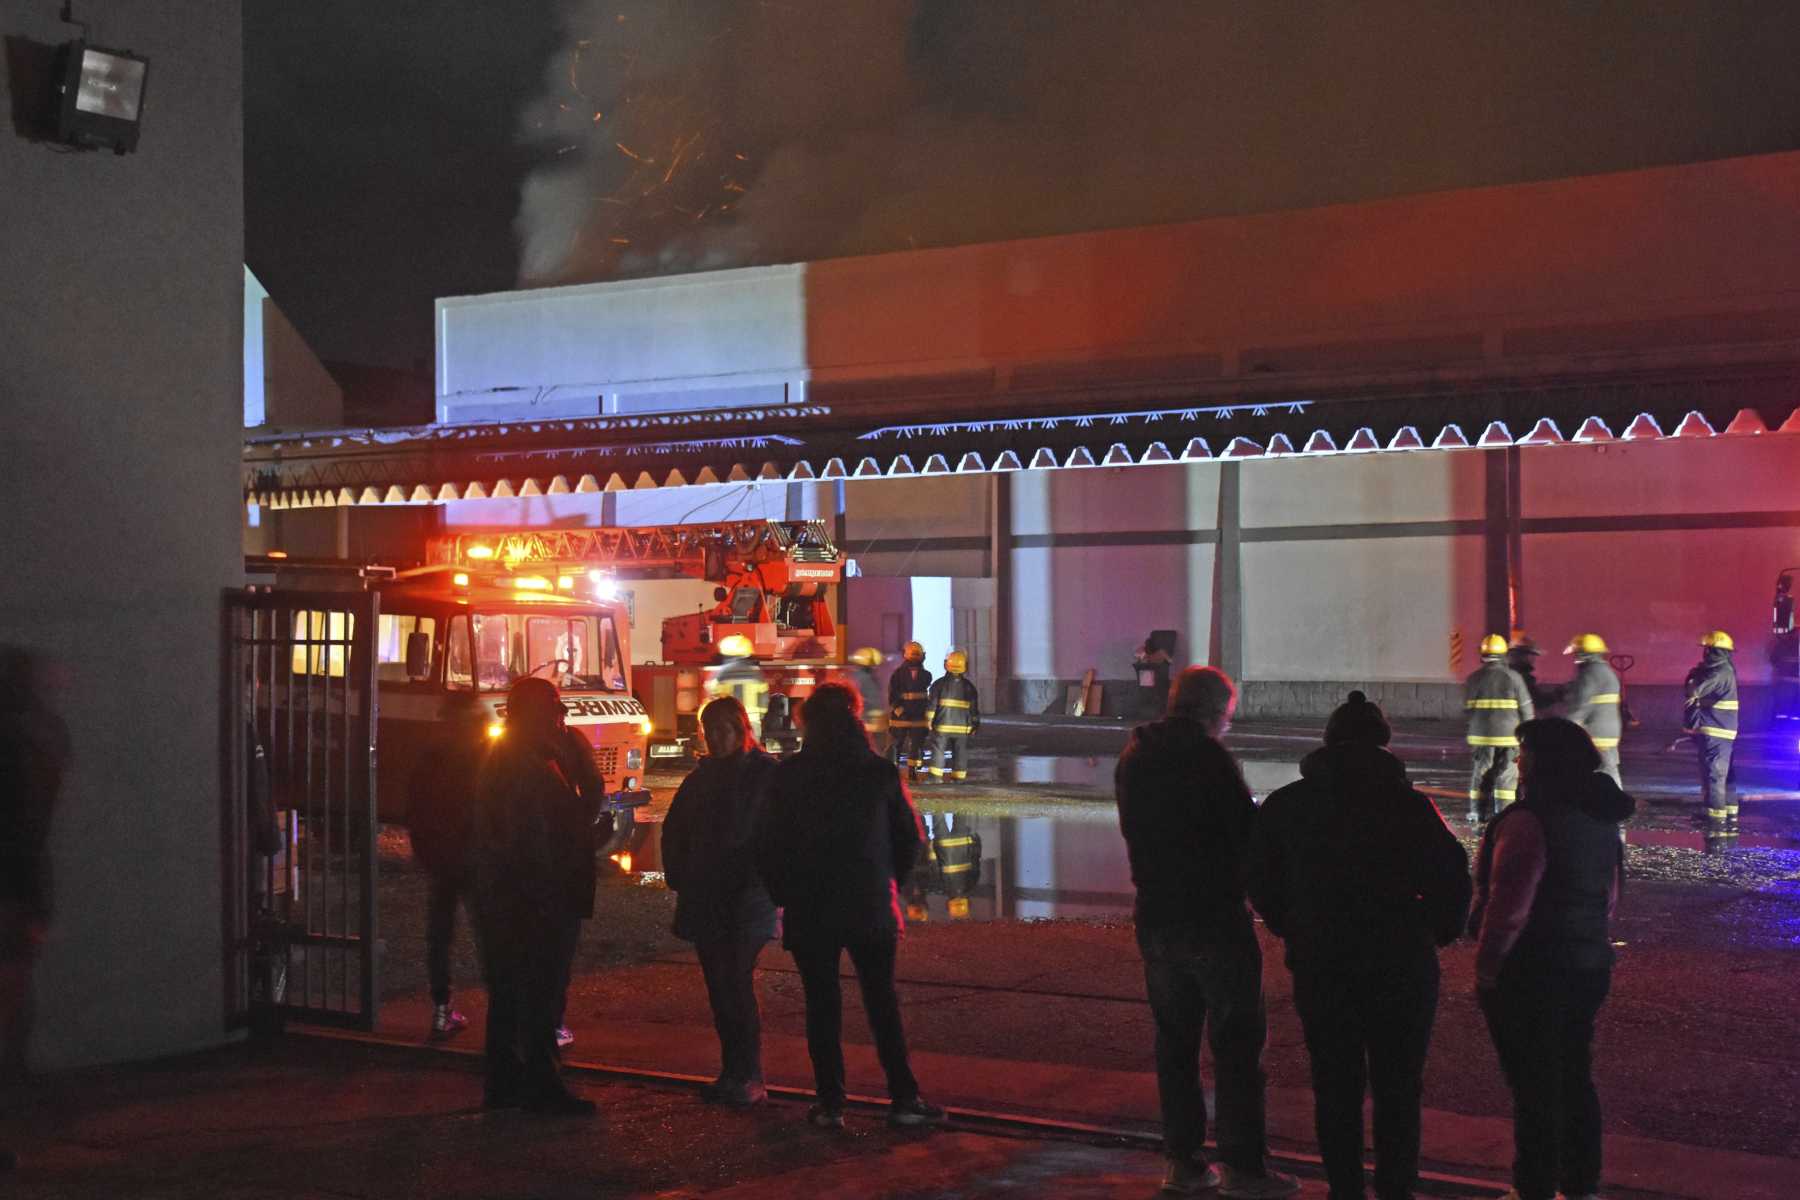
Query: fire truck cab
<point>775,581</point>
<point>442,632</point>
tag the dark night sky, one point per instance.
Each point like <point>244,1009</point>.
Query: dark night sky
<point>400,150</point>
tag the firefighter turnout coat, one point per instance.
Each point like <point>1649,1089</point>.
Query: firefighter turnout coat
<point>1712,697</point>
<point>908,688</point>
<point>1497,702</point>
<point>1593,699</point>
<point>952,707</point>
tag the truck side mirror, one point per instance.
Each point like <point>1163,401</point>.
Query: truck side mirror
<point>719,595</point>
<point>418,654</point>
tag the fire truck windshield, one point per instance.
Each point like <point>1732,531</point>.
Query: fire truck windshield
<point>570,651</point>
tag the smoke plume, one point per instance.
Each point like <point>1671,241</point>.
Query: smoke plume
<point>678,135</point>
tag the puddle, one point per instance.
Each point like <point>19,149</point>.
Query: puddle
<point>1052,853</point>
<point>1030,867</point>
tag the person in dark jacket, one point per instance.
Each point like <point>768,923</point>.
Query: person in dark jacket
<point>907,692</point>
<point>1356,871</point>
<point>1497,702</point>
<point>1547,877</point>
<point>535,841</point>
<point>1150,663</point>
<point>440,810</point>
<point>721,904</point>
<point>953,711</point>
<point>34,756</point>
<point>1186,814</point>
<point>1711,721</point>
<point>1593,699</point>
<point>836,843</point>
<point>1522,656</point>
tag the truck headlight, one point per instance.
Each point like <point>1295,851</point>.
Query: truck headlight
<point>634,758</point>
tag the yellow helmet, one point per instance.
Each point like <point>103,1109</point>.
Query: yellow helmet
<point>1586,643</point>
<point>736,646</point>
<point>868,656</point>
<point>913,652</point>
<point>1718,639</point>
<point>1493,646</point>
<point>956,662</point>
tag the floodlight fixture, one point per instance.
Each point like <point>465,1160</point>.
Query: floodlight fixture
<point>100,97</point>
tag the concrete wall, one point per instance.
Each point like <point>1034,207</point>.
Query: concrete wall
<point>1702,254</point>
<point>1100,557</point>
<point>616,347</point>
<point>299,393</point>
<point>121,411</point>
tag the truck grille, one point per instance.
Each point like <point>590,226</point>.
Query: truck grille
<point>606,760</point>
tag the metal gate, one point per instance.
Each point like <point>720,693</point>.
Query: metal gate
<point>301,716</point>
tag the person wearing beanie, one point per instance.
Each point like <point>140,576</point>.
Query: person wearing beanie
<point>1356,872</point>
<point>1185,813</point>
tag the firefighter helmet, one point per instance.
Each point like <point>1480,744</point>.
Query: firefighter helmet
<point>1493,646</point>
<point>1718,639</point>
<point>956,662</point>
<point>868,656</point>
<point>1522,644</point>
<point>736,646</point>
<point>1586,643</point>
<point>912,652</point>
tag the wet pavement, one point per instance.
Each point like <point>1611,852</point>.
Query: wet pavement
<point>1050,847</point>
<point>1034,1003</point>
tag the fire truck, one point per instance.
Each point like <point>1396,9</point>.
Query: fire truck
<point>773,578</point>
<point>477,631</point>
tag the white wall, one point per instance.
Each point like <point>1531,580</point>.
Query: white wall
<point>728,337</point>
<point>1362,610</point>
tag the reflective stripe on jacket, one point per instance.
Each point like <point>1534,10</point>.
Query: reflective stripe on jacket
<point>1712,697</point>
<point>907,688</point>
<point>1498,702</point>
<point>1594,701</point>
<point>952,706</point>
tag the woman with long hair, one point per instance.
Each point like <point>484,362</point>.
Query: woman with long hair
<point>721,904</point>
<point>837,841</point>
<point>1547,877</point>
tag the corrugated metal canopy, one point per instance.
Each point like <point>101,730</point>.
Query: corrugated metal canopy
<point>1229,419</point>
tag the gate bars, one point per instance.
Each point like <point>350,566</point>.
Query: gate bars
<point>300,924</point>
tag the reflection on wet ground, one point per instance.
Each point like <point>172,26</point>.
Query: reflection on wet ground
<point>1044,841</point>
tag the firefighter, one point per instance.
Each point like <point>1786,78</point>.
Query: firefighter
<point>1497,701</point>
<point>1593,699</point>
<point>953,712</point>
<point>1522,657</point>
<point>862,674</point>
<point>1711,721</point>
<point>742,678</point>
<point>957,849</point>
<point>907,688</point>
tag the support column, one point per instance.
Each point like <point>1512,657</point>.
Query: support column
<point>609,509</point>
<point>1228,603</point>
<point>1000,568</point>
<point>1515,540</point>
<point>840,534</point>
<point>1497,557</point>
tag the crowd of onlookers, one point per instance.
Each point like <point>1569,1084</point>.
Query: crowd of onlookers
<point>1357,874</point>
<point>1351,867</point>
